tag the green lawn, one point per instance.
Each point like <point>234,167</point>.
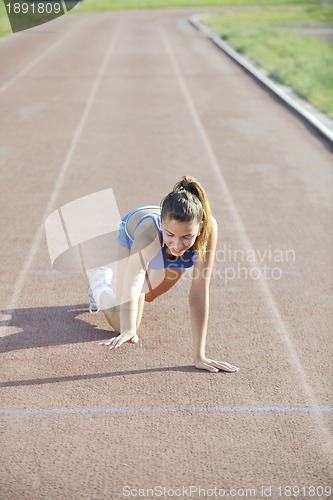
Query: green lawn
<point>107,5</point>
<point>302,62</point>
<point>4,23</point>
<point>269,37</point>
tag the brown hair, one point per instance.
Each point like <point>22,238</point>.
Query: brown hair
<point>186,202</point>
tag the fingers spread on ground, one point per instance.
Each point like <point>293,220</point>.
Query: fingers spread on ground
<point>225,366</point>
<point>211,368</point>
<point>113,344</point>
<point>229,368</point>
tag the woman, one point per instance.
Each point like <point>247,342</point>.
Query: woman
<point>156,246</point>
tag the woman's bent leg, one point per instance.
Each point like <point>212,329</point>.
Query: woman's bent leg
<point>113,314</point>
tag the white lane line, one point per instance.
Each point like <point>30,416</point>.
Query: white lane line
<point>62,173</point>
<point>214,409</point>
<point>35,61</point>
<point>280,325</point>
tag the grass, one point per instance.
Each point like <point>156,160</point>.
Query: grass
<point>300,61</point>
<point>107,5</point>
<point>4,23</point>
<point>110,5</point>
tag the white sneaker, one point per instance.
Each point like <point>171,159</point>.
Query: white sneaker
<point>101,283</point>
<point>101,276</point>
<point>93,308</point>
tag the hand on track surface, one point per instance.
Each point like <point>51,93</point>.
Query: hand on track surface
<point>115,342</point>
<point>215,366</point>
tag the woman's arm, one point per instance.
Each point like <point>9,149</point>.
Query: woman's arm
<point>145,246</point>
<point>199,307</point>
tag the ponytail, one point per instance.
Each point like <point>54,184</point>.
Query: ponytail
<point>186,202</point>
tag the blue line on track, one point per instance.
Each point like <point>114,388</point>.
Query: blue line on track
<point>247,409</point>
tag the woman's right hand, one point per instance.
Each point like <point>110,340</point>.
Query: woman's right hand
<point>127,336</point>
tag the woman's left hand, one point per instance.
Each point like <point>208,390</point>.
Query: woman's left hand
<point>214,366</point>
<point>127,336</point>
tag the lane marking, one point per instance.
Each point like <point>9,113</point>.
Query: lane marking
<point>287,96</point>
<point>63,171</point>
<point>227,409</point>
<point>35,61</point>
<point>279,323</point>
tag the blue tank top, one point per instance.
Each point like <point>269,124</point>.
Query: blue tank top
<point>179,263</point>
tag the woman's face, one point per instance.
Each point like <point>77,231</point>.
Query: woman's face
<point>179,236</point>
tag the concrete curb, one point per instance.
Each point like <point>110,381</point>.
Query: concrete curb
<point>319,121</point>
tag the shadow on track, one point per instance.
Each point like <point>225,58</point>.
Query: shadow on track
<point>49,326</point>
<point>91,376</point>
